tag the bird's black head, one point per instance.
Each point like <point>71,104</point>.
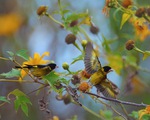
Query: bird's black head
<point>52,65</point>
<point>107,69</point>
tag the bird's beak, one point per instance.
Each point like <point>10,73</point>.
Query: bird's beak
<point>111,70</point>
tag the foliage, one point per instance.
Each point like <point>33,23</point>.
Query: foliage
<point>122,53</point>
<point>21,100</point>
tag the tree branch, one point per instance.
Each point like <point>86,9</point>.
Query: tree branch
<point>118,101</point>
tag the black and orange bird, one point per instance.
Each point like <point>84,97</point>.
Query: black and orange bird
<point>98,73</point>
<point>39,70</point>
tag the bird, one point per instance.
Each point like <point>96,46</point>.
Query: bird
<point>98,73</point>
<point>39,70</point>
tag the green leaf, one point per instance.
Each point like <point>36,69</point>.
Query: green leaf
<point>10,53</point>
<point>75,16</point>
<point>4,99</point>
<point>131,60</point>
<point>146,54</point>
<point>105,44</point>
<point>24,108</point>
<point>80,57</point>
<point>12,73</point>
<point>21,101</point>
<point>107,114</point>
<point>53,79</point>
<point>125,17</point>
<point>134,114</point>
<point>75,117</point>
<point>23,54</point>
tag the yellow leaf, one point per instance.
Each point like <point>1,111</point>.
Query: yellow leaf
<point>144,112</point>
<point>146,54</point>
<point>125,17</point>
<point>86,20</point>
<point>115,61</point>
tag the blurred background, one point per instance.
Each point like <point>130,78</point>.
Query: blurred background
<point>22,28</point>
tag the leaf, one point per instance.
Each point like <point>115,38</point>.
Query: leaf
<point>4,99</point>
<point>105,44</point>
<point>125,17</point>
<point>53,79</point>
<point>131,60</point>
<point>107,114</point>
<point>12,73</point>
<point>80,57</point>
<point>115,61</point>
<point>75,16</point>
<point>24,108</point>
<point>23,54</point>
<point>146,54</point>
<point>10,53</point>
<point>21,100</point>
<point>134,114</point>
<point>86,20</point>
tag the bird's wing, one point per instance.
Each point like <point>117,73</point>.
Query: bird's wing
<point>91,61</point>
<point>108,89</point>
<point>34,66</point>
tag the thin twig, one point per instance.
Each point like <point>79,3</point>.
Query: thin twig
<point>113,109</point>
<point>38,89</point>
<point>125,111</point>
<point>118,101</point>
<point>24,81</point>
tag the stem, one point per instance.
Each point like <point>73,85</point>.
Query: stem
<point>76,45</point>
<point>69,71</point>
<point>146,18</point>
<point>24,81</point>
<point>3,104</point>
<point>34,80</point>
<point>92,112</point>
<point>124,110</point>
<point>107,105</point>
<point>138,50</point>
<point>56,21</point>
<point>117,101</point>
<point>85,34</point>
<point>2,58</point>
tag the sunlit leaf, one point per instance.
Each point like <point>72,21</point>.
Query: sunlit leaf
<point>23,54</point>
<point>146,54</point>
<point>86,20</point>
<point>4,99</point>
<point>21,100</point>
<point>124,19</point>
<point>131,60</point>
<point>115,61</point>
<point>12,73</point>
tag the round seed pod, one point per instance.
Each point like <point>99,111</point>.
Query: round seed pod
<point>129,44</point>
<point>41,10</point>
<point>94,29</point>
<point>140,12</point>
<point>70,39</point>
<point>84,86</point>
